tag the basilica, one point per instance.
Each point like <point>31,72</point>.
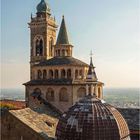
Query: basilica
<point>64,98</point>
<point>56,75</point>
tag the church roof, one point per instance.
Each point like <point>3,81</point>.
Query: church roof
<point>62,61</point>
<point>63,35</point>
<point>92,119</point>
<point>43,124</point>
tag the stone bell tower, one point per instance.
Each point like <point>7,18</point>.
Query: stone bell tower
<point>43,34</point>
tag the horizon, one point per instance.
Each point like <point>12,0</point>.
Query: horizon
<point>110,29</point>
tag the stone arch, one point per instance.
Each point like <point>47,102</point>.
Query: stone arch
<point>81,73</point>
<point>63,95</point>
<point>63,73</point>
<point>39,74</point>
<point>81,92</point>
<point>76,74</point>
<point>44,74</point>
<point>50,94</point>
<point>69,73</point>
<point>50,74</point>
<point>56,74</point>
<point>63,52</point>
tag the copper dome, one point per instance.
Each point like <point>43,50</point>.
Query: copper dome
<point>92,119</point>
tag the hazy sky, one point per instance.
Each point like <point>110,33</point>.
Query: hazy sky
<point>110,28</point>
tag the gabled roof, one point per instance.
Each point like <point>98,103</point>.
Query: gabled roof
<point>62,36</point>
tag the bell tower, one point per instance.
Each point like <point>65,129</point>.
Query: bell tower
<point>43,34</point>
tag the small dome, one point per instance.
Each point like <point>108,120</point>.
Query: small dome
<point>43,7</point>
<point>92,119</point>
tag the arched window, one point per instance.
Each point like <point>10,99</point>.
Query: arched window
<point>44,74</point>
<point>39,47</point>
<point>99,92</point>
<point>58,53</point>
<point>39,74</point>
<point>51,46</point>
<point>50,74</point>
<point>56,75</point>
<point>63,95</point>
<point>81,92</point>
<point>63,73</point>
<point>76,74</point>
<point>69,73</point>
<point>63,52</point>
<point>50,94</point>
<point>81,74</point>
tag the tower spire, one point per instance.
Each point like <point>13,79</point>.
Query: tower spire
<point>63,35</point>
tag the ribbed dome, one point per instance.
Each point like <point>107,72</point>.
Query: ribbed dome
<point>43,7</point>
<point>92,119</point>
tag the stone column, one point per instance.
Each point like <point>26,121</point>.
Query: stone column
<point>92,89</point>
<point>96,90</point>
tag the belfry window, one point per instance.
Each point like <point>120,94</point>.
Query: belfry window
<point>39,47</point>
<point>76,74</point>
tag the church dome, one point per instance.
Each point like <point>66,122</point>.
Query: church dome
<point>92,119</point>
<point>43,7</point>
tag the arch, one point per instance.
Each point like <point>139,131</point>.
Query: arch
<point>63,73</point>
<point>81,73</point>
<point>44,74</point>
<point>50,94</point>
<point>63,95</point>
<point>36,93</point>
<point>50,74</point>
<point>81,92</point>
<point>63,52</point>
<point>56,74</point>
<point>58,53</point>
<point>39,74</point>
<point>39,47</point>
<point>76,74</point>
<point>69,73</point>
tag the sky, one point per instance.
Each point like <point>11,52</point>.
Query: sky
<point>110,28</point>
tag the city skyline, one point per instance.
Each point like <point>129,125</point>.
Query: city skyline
<point>110,29</point>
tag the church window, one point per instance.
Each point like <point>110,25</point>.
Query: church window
<point>63,52</point>
<point>99,92</point>
<point>81,73</point>
<point>58,53</point>
<point>44,74</point>
<point>56,75</point>
<point>50,94</point>
<point>39,74</point>
<point>81,92</point>
<point>76,74</point>
<point>63,95</point>
<point>69,74</point>
<point>51,74</point>
<point>63,73</point>
<point>39,47</point>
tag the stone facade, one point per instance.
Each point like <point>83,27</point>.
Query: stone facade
<point>54,71</point>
